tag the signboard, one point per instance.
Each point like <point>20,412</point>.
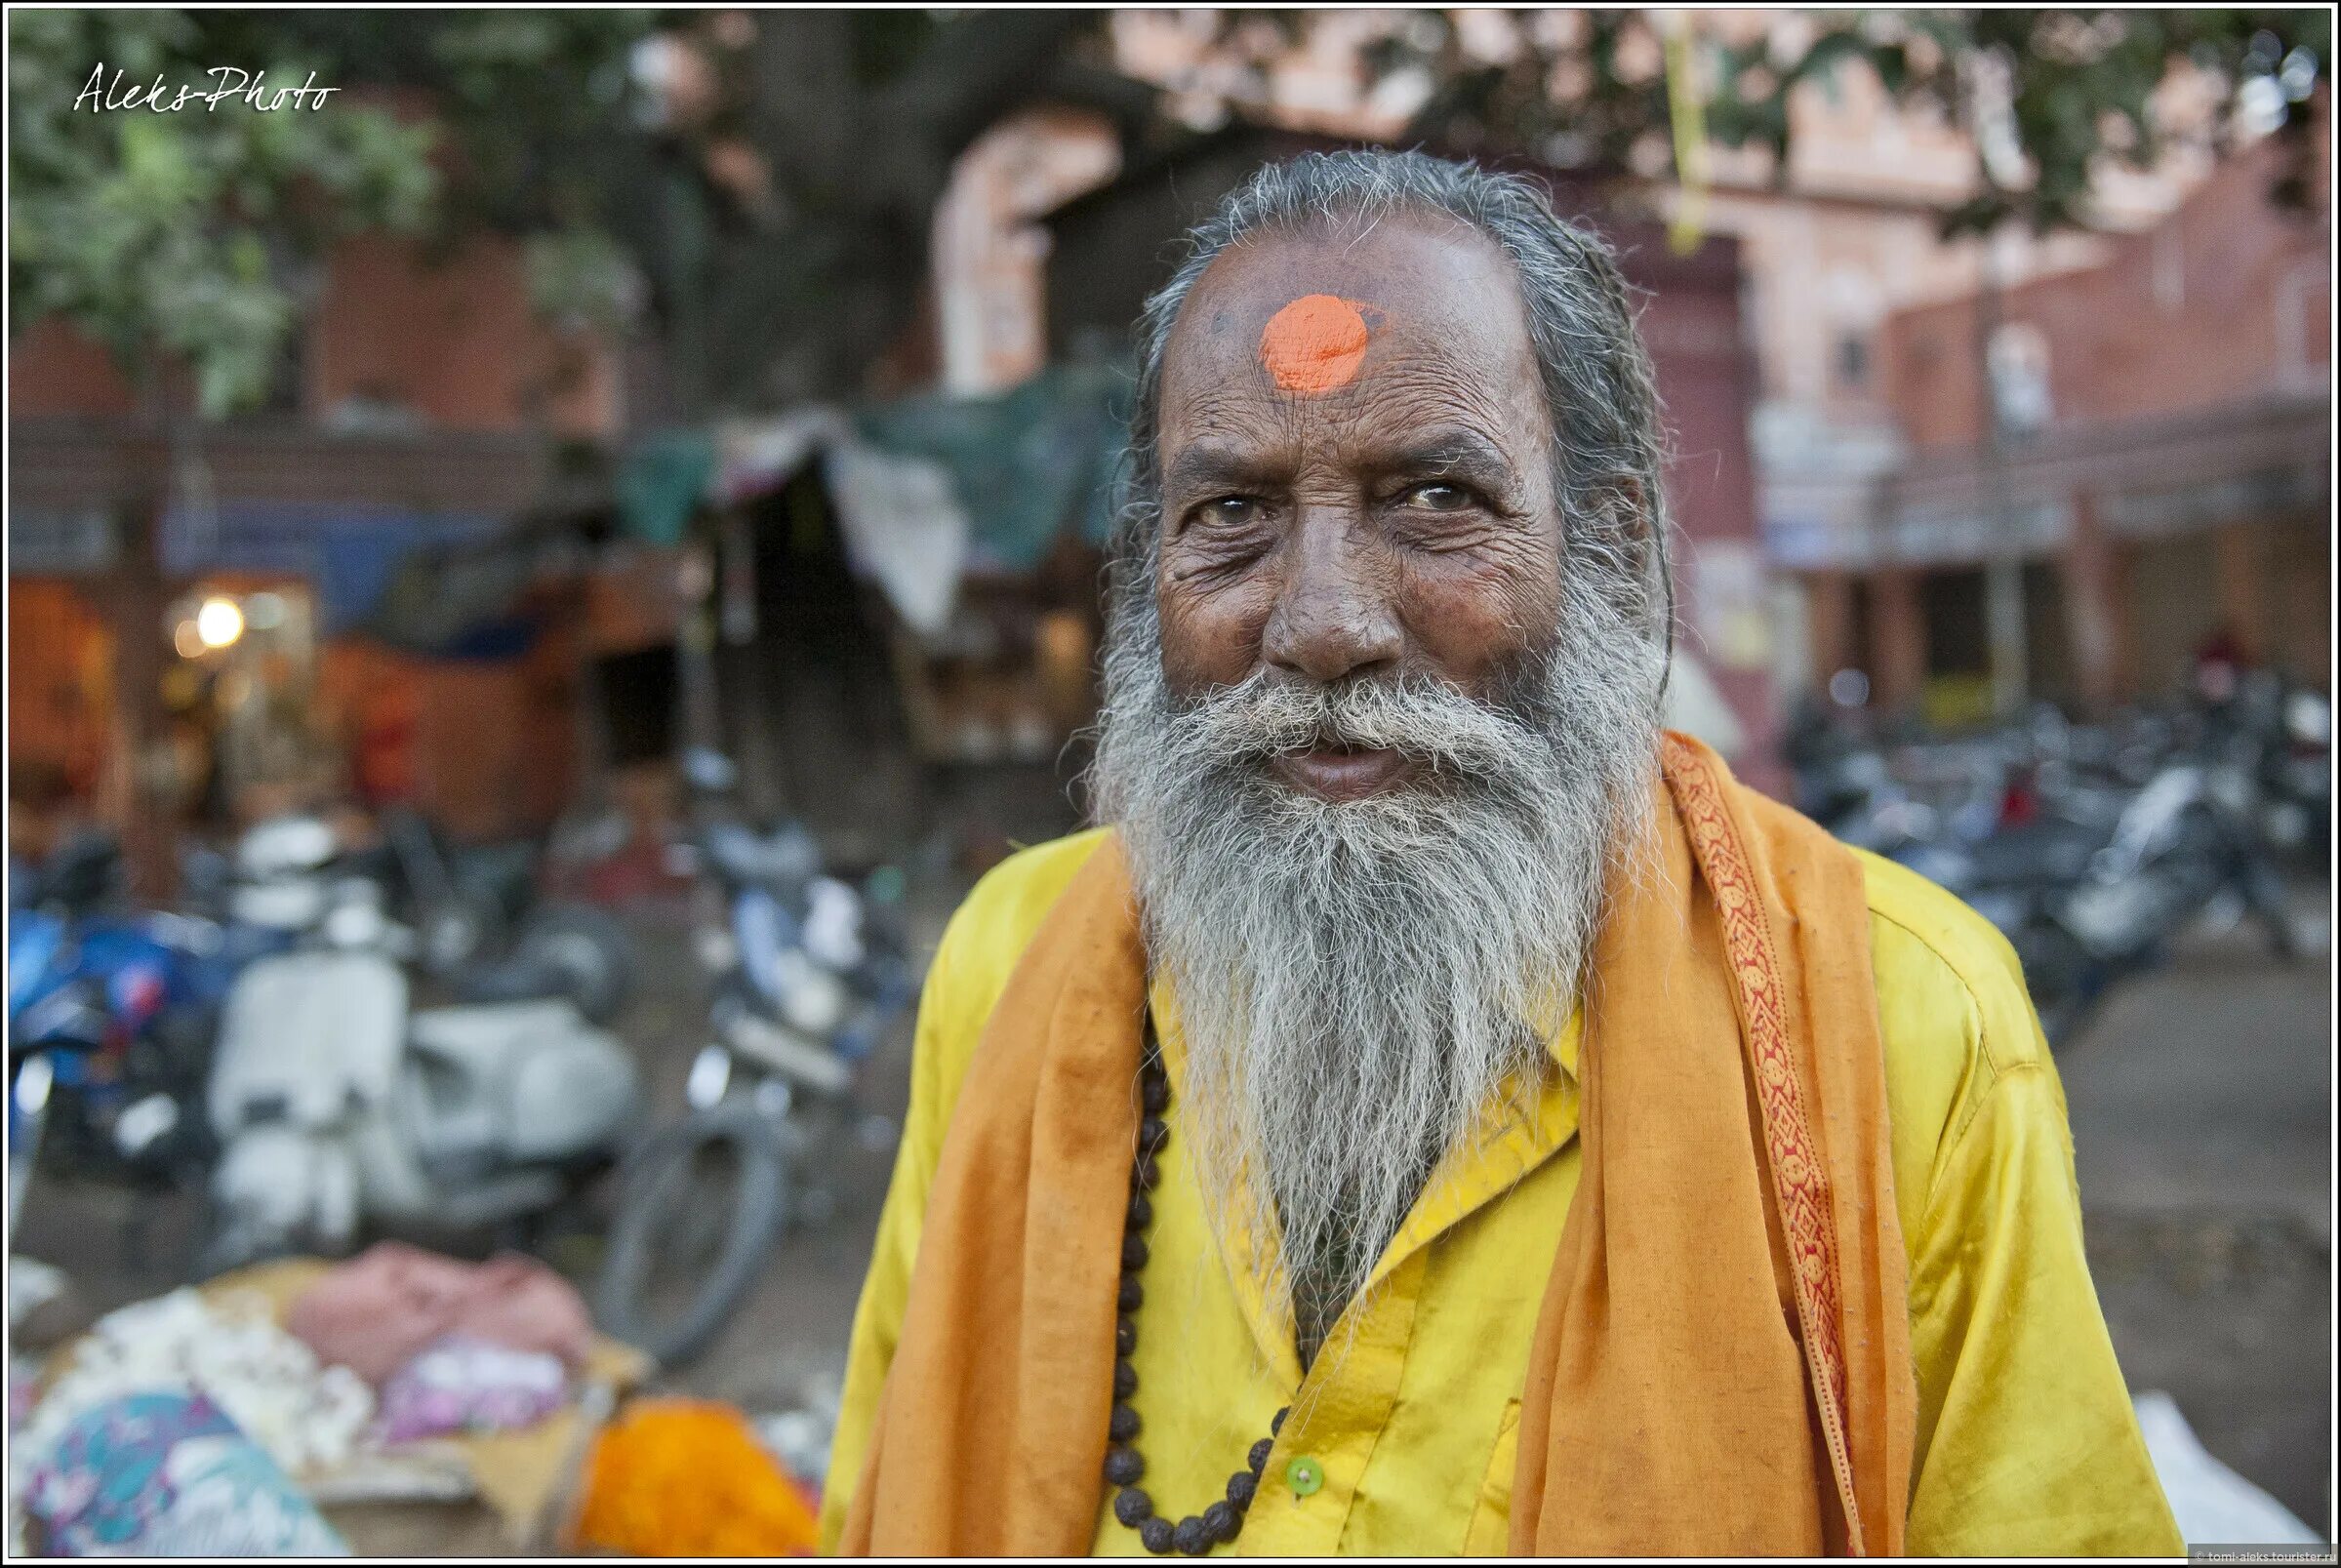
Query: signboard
<point>81,542</point>
<point>1957,534</point>
<point>1921,536</point>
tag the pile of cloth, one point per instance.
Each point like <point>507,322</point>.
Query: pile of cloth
<point>453,1347</point>
<point>216,1422</point>
<point>175,1429</point>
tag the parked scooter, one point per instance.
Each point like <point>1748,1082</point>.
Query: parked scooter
<point>808,972</point>
<point>289,872</point>
<point>338,1104</point>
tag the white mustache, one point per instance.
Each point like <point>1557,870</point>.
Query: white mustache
<point>1265,718</point>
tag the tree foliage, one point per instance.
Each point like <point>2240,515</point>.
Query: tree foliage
<point>192,236</point>
<point>183,234</point>
<point>2049,97</point>
<point>759,187</point>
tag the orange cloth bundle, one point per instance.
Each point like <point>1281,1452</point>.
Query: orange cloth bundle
<point>686,1478</point>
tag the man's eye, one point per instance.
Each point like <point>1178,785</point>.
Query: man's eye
<point>1228,511</point>
<point>1438,497</point>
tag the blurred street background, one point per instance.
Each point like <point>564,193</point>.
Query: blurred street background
<point>535,585</point>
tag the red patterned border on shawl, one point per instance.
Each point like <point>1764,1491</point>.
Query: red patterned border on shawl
<point>1800,1178</point>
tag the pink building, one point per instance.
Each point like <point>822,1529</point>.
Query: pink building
<point>1824,259</point>
<point>2142,448</point>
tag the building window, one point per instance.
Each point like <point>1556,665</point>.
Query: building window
<point>2017,361</point>
<point>1853,362</point>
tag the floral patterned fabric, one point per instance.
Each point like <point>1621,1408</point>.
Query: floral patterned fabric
<point>164,1473</point>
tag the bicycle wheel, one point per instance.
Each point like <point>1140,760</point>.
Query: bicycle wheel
<point>698,1209</point>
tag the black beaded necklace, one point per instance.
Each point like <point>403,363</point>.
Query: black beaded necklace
<point>1197,1533</point>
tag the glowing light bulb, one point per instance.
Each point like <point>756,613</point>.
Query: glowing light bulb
<point>219,622</point>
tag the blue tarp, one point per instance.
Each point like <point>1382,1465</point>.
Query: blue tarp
<point>350,551</point>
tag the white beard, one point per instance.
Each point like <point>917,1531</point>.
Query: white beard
<point>1357,979</point>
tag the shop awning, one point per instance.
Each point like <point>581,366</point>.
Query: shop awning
<point>927,489</point>
<point>1030,465</point>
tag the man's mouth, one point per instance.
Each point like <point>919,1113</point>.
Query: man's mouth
<point>1338,772</point>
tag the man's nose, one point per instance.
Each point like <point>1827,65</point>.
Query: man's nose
<point>1334,616</point>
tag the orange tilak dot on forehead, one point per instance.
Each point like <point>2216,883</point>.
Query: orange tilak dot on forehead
<point>1313,344</point>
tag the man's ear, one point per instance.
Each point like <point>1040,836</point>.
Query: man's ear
<point>1630,504</point>
<point>1638,520</point>
<point>1633,507</point>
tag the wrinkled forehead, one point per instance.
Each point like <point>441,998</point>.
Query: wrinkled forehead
<point>1335,312</point>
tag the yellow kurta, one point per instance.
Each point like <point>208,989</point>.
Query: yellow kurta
<point>2026,1441</point>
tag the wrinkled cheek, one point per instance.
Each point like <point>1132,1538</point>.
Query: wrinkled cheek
<point>1475,623</point>
<point>1210,637</point>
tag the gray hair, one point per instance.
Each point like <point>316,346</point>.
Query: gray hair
<point>1608,440</point>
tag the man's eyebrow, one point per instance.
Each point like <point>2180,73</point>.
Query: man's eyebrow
<point>1453,453</point>
<point>1206,466</point>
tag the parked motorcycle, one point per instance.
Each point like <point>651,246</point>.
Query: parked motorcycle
<point>109,1029</point>
<point>2187,842</point>
<point>808,973</point>
<point>2282,735</point>
<point>480,930</point>
<point>338,1103</point>
<point>2089,847</point>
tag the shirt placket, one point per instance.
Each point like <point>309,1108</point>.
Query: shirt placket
<point>1316,1465</point>
<point>1309,1485</point>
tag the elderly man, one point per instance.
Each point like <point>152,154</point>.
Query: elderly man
<point>1442,1113</point>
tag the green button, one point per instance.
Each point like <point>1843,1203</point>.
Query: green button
<point>1304,1475</point>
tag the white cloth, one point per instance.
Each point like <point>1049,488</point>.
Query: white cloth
<point>2212,1503</point>
<point>306,1417</point>
<point>904,525</point>
<point>754,457</point>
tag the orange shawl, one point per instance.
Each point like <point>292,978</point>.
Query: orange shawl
<point>1722,1361</point>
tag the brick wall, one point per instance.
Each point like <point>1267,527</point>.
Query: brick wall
<point>494,744</point>
<point>2224,299</point>
<point>456,342</point>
